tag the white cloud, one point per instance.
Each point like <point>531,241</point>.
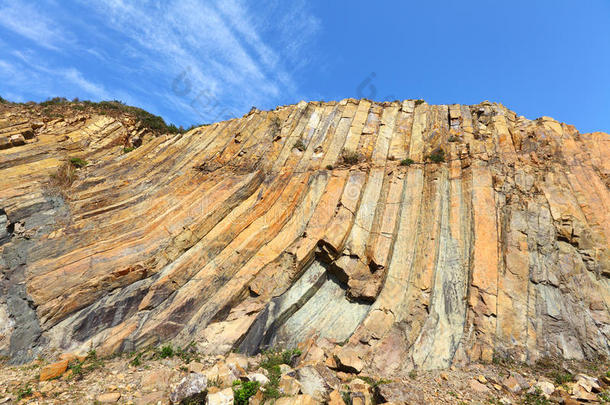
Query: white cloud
<point>219,45</point>
<point>76,77</point>
<point>136,50</point>
<point>26,20</point>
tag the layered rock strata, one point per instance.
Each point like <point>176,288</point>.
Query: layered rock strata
<point>420,236</point>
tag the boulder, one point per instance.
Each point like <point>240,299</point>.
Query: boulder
<point>237,360</point>
<point>222,374</point>
<point>190,385</point>
<point>581,393</point>
<point>313,384</point>
<point>222,397</point>
<point>335,398</point>
<point>17,140</point>
<point>546,387</point>
<point>348,360</point>
<point>512,384</point>
<point>258,377</point>
<point>289,385</point>
<point>54,370</point>
<point>359,392</point>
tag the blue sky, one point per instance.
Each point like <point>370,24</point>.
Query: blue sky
<point>202,61</point>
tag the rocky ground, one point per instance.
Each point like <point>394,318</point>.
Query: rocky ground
<point>167,375</point>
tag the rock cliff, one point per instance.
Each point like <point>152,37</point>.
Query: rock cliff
<point>414,235</point>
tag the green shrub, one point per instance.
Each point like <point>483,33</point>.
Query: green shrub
<point>271,363</point>
<point>346,398</point>
<point>407,162</point>
<point>418,102</point>
<point>3,101</point>
<point>54,101</point>
<point>437,156</point>
<point>128,149</point>
<point>166,351</point>
<point>78,162</point>
<point>243,391</point>
<point>24,392</point>
<point>329,167</point>
<point>77,369</point>
<point>453,139</point>
<point>137,360</point>
<point>90,363</point>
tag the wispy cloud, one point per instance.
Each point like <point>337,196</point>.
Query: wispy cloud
<point>229,54</point>
<point>26,20</point>
<point>77,78</point>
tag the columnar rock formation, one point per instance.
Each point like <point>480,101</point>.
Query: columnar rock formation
<point>419,235</point>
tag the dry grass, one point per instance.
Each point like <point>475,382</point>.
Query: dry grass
<point>350,158</point>
<point>64,177</point>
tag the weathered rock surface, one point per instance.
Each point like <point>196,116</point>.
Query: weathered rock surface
<point>261,231</point>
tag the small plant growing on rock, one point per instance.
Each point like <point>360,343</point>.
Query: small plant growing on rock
<point>78,162</point>
<point>128,149</point>
<point>350,158</point>
<point>346,398</point>
<point>536,398</point>
<point>418,102</point>
<point>562,378</point>
<point>271,363</point>
<point>244,390</point>
<point>24,392</point>
<point>453,139</point>
<point>329,167</point>
<point>137,360</point>
<point>166,351</point>
<point>76,367</point>
<point>299,145</point>
<point>375,383</point>
<point>438,156</point>
<point>79,368</point>
<point>407,162</point>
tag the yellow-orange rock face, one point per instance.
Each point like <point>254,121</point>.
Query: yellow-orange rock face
<point>419,236</point>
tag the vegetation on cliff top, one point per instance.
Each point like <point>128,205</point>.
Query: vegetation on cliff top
<point>53,106</point>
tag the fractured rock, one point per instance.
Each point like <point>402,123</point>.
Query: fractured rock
<point>348,360</point>
<point>190,385</point>
<point>499,244</point>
